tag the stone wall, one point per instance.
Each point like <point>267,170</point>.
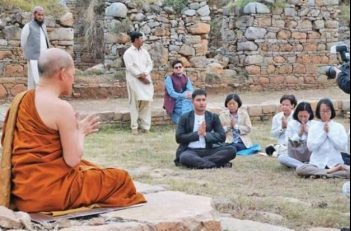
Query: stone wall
<point>13,68</point>
<point>278,46</point>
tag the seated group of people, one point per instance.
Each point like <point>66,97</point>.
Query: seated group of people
<point>312,147</point>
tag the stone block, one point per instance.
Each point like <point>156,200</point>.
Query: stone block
<point>14,70</point>
<point>5,55</point>
<point>253,70</point>
<point>173,211</point>
<point>299,35</point>
<point>12,32</point>
<point>284,35</point>
<point>247,46</point>
<point>62,34</point>
<point>253,33</point>
<point>199,29</point>
<point>256,8</point>
<point>254,59</point>
<point>67,20</point>
<point>199,62</point>
<point>269,109</point>
<point>255,110</point>
<point>346,105</point>
<point>3,92</point>
<point>191,39</point>
<point>187,50</point>
<point>204,11</point>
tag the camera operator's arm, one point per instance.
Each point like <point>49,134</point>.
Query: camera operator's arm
<point>343,78</point>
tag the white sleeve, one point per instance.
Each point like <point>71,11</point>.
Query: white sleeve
<point>276,127</point>
<point>338,136</point>
<point>316,137</point>
<point>24,35</point>
<point>292,131</point>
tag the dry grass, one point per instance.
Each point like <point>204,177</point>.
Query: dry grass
<point>254,185</point>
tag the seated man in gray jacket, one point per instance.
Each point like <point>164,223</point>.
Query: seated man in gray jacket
<point>197,133</point>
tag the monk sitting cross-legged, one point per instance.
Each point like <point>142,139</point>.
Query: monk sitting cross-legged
<point>47,171</point>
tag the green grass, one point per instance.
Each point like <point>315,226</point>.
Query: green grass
<point>52,7</point>
<point>254,184</point>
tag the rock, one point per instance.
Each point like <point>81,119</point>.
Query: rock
<point>318,24</point>
<point>199,29</point>
<point>244,225</point>
<point>139,17</point>
<point>256,8</point>
<point>62,34</point>
<point>185,62</point>
<point>192,39</point>
<point>187,50</point>
<point>67,20</point>
<point>8,219</point>
<point>122,38</point>
<point>204,11</point>
<point>98,69</point>
<point>194,6</point>
<point>127,226</point>
<point>291,12</point>
<point>199,62</point>
<point>5,55</point>
<point>12,32</point>
<point>253,33</point>
<point>147,189</point>
<point>247,46</point>
<point>159,54</point>
<point>215,69</point>
<point>3,94</point>
<point>189,13</point>
<point>223,60</point>
<point>173,211</point>
<point>117,10</point>
<point>3,42</point>
<point>254,59</point>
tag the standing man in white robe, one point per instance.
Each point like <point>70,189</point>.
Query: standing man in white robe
<point>34,40</point>
<point>139,83</point>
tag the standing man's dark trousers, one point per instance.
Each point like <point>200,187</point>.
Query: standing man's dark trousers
<point>207,158</point>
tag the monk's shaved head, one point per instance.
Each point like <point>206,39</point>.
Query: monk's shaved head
<point>52,61</point>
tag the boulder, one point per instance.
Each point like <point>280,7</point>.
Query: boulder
<point>256,8</point>
<point>62,34</point>
<point>117,10</point>
<point>247,46</point>
<point>199,28</point>
<point>204,11</point>
<point>8,219</point>
<point>159,54</point>
<point>67,20</point>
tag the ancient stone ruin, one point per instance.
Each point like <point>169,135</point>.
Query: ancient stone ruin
<point>263,45</point>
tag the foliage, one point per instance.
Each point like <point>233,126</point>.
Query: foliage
<point>238,3</point>
<point>177,5</point>
<point>52,7</point>
<point>345,10</point>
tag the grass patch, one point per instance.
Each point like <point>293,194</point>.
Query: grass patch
<point>177,5</point>
<point>52,7</point>
<point>254,185</point>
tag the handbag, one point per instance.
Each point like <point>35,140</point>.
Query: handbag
<point>299,150</point>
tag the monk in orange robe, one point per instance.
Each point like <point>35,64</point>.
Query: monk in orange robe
<point>47,171</point>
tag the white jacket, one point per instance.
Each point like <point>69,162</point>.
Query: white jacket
<point>326,148</point>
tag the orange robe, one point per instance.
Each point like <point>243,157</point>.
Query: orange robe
<point>43,182</point>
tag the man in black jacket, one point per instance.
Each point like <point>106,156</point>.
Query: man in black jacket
<point>197,133</point>
<point>343,78</point>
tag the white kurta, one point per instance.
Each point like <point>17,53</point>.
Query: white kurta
<point>33,72</point>
<point>326,148</point>
<point>277,130</point>
<point>138,61</point>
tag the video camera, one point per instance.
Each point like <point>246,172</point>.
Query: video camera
<point>345,57</point>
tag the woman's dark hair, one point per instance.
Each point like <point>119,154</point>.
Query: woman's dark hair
<point>329,104</point>
<point>199,92</point>
<point>234,97</point>
<point>135,35</point>
<point>291,98</point>
<point>303,106</point>
<point>176,62</point>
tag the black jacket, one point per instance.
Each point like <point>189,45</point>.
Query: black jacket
<point>344,78</point>
<point>185,134</point>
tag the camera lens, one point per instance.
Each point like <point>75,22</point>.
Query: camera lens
<point>331,73</point>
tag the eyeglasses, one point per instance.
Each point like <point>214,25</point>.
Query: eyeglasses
<point>178,67</point>
<point>326,112</point>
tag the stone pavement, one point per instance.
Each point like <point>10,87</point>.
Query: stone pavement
<point>165,210</point>
<point>260,105</point>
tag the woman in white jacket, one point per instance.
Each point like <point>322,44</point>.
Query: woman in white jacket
<point>296,137</point>
<point>326,140</point>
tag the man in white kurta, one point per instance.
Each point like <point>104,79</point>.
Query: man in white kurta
<point>34,40</point>
<point>139,83</point>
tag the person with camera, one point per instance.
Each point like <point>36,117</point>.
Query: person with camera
<point>343,77</point>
